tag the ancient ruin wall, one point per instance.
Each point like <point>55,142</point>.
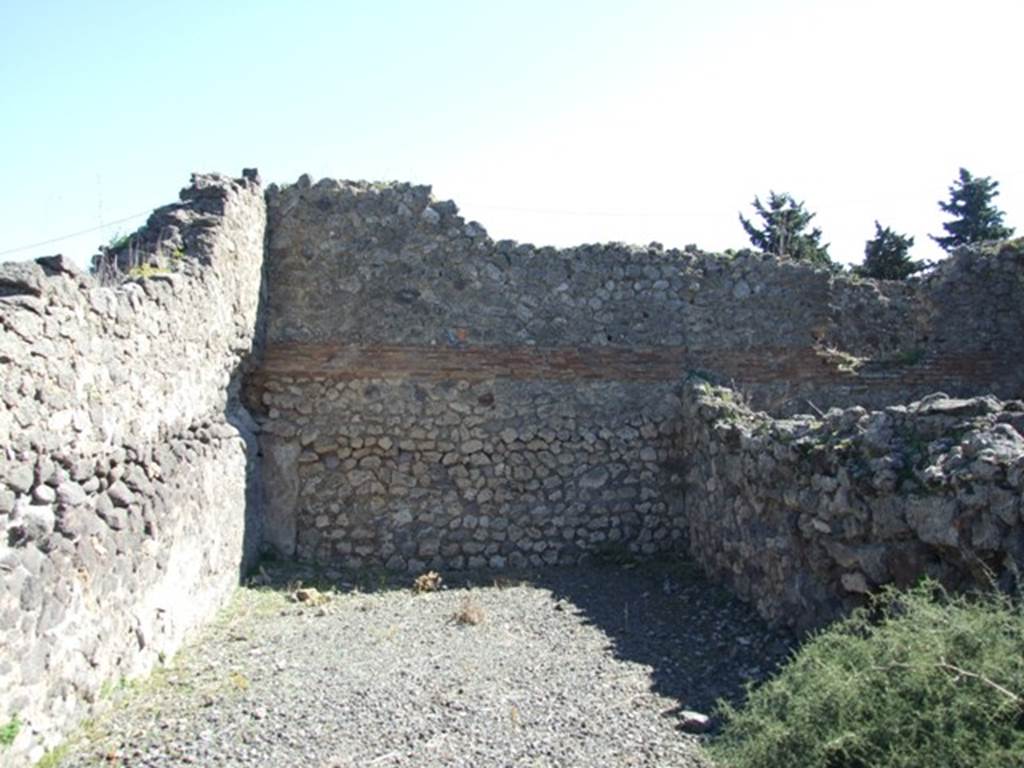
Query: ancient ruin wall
<point>368,277</point>
<point>805,516</point>
<point>958,330</point>
<point>432,398</point>
<point>421,379</point>
<point>128,477</point>
<point>417,474</point>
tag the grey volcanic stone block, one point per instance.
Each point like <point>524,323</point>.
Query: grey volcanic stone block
<point>71,494</point>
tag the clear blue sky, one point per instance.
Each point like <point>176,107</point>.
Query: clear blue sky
<point>549,122</point>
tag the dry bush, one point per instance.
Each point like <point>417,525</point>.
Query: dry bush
<point>427,582</point>
<point>469,612</point>
<point>309,596</point>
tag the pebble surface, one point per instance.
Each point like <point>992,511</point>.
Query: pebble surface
<point>567,667</point>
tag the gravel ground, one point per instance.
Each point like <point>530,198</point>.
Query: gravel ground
<point>570,667</point>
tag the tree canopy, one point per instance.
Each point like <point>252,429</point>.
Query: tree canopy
<point>783,230</point>
<point>887,256</point>
<point>975,218</point>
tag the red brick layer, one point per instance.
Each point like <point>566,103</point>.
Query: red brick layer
<point>762,365</point>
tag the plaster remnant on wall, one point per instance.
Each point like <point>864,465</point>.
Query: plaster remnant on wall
<point>281,480</point>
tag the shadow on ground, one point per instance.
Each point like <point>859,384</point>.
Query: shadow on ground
<point>699,642</point>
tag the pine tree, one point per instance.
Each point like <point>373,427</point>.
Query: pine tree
<point>975,218</point>
<point>782,231</point>
<point>887,257</point>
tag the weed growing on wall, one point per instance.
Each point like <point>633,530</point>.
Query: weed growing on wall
<point>147,270</point>
<point>119,240</point>
<point>916,680</point>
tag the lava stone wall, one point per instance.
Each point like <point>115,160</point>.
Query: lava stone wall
<point>388,314</point>
<point>129,479</point>
<point>455,473</point>
<point>363,264</point>
<point>357,270</point>
<point>805,516</point>
<point>428,397</point>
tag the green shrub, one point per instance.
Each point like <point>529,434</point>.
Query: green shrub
<point>916,680</point>
<point>9,731</point>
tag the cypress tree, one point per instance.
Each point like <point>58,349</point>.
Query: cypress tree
<point>975,218</point>
<point>783,230</point>
<point>887,257</point>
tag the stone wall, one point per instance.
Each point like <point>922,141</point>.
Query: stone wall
<point>803,516</point>
<point>433,399</point>
<point>455,473</point>
<point>429,398</point>
<point>959,329</point>
<point>356,267</point>
<point>128,469</point>
<point>388,315</point>
<point>368,264</point>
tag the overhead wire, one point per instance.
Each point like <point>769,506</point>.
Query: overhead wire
<point>511,209</point>
<point>77,234</point>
